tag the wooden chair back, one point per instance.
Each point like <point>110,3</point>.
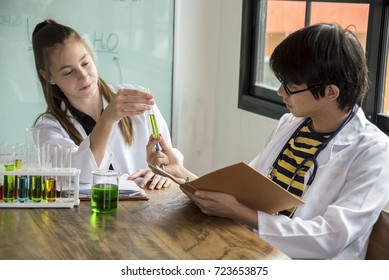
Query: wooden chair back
<point>378,248</point>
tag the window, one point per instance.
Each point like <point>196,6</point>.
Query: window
<point>265,23</point>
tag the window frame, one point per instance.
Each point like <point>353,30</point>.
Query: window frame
<point>250,96</point>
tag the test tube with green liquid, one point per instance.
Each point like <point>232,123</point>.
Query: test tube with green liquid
<point>154,127</point>
<point>9,183</point>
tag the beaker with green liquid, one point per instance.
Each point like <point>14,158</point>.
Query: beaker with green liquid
<point>105,191</point>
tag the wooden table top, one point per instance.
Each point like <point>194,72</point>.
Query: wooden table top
<point>167,226</point>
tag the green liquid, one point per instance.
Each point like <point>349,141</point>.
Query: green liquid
<point>104,198</point>
<point>9,184</point>
<point>44,187</point>
<point>36,188</point>
<point>154,126</point>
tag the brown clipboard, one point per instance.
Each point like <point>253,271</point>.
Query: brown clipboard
<point>249,186</point>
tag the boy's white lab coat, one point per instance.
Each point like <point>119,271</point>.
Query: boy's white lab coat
<point>349,191</point>
<point>124,159</point>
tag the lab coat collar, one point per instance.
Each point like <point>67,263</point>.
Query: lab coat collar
<point>288,124</point>
<point>356,125</point>
<point>345,137</point>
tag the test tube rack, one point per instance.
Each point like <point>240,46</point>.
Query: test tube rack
<point>61,202</point>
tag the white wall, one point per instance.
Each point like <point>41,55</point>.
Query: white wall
<point>208,127</point>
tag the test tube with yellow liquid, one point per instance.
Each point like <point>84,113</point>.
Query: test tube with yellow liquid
<point>51,180</point>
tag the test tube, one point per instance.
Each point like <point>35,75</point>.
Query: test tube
<point>32,139</point>
<point>9,186</point>
<point>66,164</point>
<point>153,122</point>
<point>37,188</point>
<point>1,166</point>
<point>32,157</point>
<point>46,165</point>
<point>19,154</point>
<point>23,187</point>
<point>51,179</point>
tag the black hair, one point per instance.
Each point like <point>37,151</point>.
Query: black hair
<point>323,54</point>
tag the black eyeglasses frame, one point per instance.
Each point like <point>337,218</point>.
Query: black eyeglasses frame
<point>300,90</point>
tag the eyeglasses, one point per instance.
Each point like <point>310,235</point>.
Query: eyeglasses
<point>298,91</point>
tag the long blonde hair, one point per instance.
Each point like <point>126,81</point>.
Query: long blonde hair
<point>46,37</point>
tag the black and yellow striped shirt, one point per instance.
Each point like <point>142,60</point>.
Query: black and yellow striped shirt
<point>304,145</point>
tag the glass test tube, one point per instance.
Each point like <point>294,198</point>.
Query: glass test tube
<point>66,166</point>
<point>51,180</point>
<point>9,187</point>
<point>33,162</point>
<point>153,122</point>
<point>154,128</point>
<point>2,147</point>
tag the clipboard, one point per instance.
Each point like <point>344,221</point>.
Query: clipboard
<point>249,186</point>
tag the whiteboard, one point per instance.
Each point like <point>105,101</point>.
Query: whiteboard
<point>132,41</point>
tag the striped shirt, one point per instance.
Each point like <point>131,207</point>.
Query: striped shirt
<point>304,145</point>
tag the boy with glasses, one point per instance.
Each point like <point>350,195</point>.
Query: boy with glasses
<point>325,151</point>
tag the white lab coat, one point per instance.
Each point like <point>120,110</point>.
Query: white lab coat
<point>124,159</point>
<point>349,191</point>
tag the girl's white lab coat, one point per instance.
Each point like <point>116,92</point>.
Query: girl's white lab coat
<point>124,159</point>
<point>349,191</point>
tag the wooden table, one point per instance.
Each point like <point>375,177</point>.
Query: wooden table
<point>167,226</point>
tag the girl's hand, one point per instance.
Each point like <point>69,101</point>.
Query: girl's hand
<point>150,180</point>
<point>127,102</point>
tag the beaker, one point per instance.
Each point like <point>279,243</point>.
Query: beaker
<point>105,191</point>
